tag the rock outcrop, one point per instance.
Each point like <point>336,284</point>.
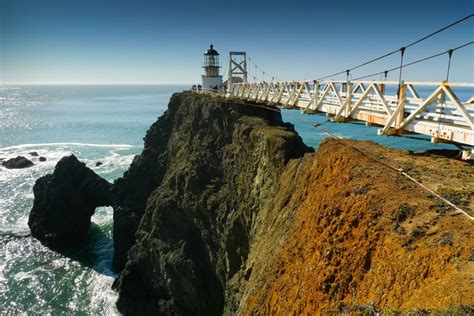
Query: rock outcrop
<point>226,211</point>
<point>64,203</point>
<point>348,235</point>
<point>240,219</point>
<point>209,166</point>
<point>18,162</point>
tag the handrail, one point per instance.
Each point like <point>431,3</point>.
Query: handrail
<point>441,115</point>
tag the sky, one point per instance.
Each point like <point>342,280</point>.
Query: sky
<point>162,42</point>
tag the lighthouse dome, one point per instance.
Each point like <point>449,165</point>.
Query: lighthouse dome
<point>211,51</point>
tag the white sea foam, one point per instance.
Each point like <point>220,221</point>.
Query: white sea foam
<point>66,144</point>
<point>102,215</point>
<point>20,276</point>
<point>32,277</point>
<point>16,185</point>
<point>103,295</point>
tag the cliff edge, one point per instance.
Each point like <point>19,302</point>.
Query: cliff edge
<point>227,211</point>
<point>213,165</point>
<point>242,218</point>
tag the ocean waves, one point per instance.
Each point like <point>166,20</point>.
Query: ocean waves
<point>40,281</point>
<point>34,278</point>
<point>16,185</point>
<point>104,127</point>
<point>22,146</point>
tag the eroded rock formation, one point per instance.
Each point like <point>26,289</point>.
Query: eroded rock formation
<point>64,203</point>
<point>226,211</point>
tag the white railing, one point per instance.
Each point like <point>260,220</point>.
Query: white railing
<point>439,113</point>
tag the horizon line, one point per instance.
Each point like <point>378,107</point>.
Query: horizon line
<point>91,84</point>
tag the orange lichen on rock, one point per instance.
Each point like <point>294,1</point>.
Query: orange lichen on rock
<point>345,231</point>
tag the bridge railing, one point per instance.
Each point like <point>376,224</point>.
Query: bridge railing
<point>442,110</point>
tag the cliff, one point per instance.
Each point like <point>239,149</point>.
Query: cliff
<point>350,235</point>
<point>242,218</point>
<point>213,166</point>
<point>226,211</point>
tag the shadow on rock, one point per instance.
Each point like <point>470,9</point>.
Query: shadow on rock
<point>97,254</point>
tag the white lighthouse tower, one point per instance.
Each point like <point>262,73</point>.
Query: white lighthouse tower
<point>211,80</point>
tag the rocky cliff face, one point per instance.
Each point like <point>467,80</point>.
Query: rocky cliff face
<point>347,234</point>
<point>212,166</point>
<point>226,211</point>
<point>243,219</point>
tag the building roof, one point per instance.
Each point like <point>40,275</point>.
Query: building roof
<point>211,51</point>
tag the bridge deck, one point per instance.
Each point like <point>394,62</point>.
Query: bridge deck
<point>429,108</point>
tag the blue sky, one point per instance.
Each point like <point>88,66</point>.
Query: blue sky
<point>116,41</point>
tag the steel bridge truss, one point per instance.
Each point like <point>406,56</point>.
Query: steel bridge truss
<point>397,108</point>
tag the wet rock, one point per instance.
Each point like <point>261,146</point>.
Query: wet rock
<point>34,154</point>
<point>64,203</point>
<point>98,163</point>
<point>42,159</point>
<point>17,163</point>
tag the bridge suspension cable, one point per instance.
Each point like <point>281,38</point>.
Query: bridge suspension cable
<point>263,71</point>
<point>401,50</point>
<point>449,52</point>
<point>370,157</point>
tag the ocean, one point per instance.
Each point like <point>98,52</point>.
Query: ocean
<point>96,123</point>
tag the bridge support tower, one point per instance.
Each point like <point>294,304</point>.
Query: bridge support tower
<point>237,68</point>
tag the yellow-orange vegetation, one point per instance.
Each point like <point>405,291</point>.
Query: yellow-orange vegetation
<point>344,231</point>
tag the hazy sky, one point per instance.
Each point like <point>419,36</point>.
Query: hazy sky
<point>114,41</point>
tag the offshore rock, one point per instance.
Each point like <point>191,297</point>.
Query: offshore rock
<point>208,167</point>
<point>18,162</point>
<point>64,203</point>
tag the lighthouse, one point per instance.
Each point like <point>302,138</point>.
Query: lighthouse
<point>211,80</point>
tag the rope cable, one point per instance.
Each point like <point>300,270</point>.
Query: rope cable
<point>404,47</point>
<point>402,52</point>
<point>443,94</point>
<point>370,157</point>
<point>440,30</point>
<point>417,61</point>
<point>450,54</point>
<point>264,72</point>
<point>377,160</point>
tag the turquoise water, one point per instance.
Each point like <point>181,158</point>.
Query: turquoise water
<point>313,136</point>
<point>96,123</point>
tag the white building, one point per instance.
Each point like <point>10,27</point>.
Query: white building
<point>211,80</point>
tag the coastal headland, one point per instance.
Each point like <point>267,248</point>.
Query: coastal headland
<point>227,211</point>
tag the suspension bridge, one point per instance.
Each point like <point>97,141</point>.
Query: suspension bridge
<point>443,110</point>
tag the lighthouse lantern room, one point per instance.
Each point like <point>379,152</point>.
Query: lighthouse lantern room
<point>211,80</point>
